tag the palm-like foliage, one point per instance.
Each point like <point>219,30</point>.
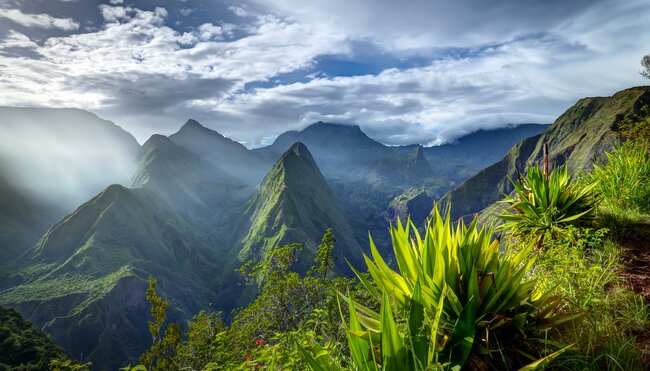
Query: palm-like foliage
<point>456,299</point>
<point>543,204</point>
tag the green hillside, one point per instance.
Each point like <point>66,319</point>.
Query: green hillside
<point>84,280</point>
<point>579,136</point>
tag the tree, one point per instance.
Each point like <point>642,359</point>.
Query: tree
<point>645,63</point>
<point>324,260</point>
<point>161,354</point>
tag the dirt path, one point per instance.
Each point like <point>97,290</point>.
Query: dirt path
<point>636,247</point>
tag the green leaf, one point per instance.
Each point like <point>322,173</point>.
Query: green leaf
<point>393,351</point>
<point>540,363</point>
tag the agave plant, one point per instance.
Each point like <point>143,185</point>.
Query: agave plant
<point>545,203</point>
<point>456,300</point>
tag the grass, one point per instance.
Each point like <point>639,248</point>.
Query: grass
<point>589,267</point>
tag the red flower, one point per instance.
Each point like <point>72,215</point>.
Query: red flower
<point>248,358</point>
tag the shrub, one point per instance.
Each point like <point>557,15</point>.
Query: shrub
<point>544,205</point>
<point>456,300</point>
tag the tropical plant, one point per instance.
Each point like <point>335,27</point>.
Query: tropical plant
<point>456,300</point>
<point>544,204</point>
<point>163,350</point>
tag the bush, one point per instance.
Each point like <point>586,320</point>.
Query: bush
<point>544,205</point>
<point>456,300</point>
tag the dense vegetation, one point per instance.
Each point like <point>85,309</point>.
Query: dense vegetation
<point>23,346</point>
<point>550,292</point>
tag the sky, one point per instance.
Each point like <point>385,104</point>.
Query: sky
<point>418,71</point>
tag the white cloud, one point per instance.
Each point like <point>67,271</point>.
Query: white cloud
<point>116,2</point>
<point>135,47</point>
<point>238,11</point>
<point>209,31</point>
<point>511,65</point>
<point>38,20</point>
<point>187,11</point>
<point>17,40</point>
<point>520,82</point>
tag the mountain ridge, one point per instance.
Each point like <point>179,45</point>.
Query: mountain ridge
<point>578,137</point>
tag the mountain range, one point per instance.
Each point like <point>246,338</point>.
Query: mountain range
<point>196,206</point>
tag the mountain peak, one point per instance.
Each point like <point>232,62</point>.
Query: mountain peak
<point>299,149</point>
<point>298,157</point>
<point>192,124</point>
<point>334,126</point>
<point>157,140</point>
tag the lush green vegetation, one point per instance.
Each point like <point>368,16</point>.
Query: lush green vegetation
<point>548,293</point>
<point>24,347</point>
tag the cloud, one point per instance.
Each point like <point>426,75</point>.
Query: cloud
<point>136,65</point>
<point>17,40</point>
<point>427,24</point>
<point>529,80</point>
<point>419,73</point>
<point>39,20</point>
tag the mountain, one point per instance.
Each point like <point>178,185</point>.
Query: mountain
<point>402,171</point>
<point>473,152</point>
<point>84,282</point>
<point>52,160</point>
<point>415,204</point>
<point>295,204</point>
<point>186,181</point>
<point>339,149</point>
<point>23,220</point>
<point>231,157</point>
<point>578,137</point>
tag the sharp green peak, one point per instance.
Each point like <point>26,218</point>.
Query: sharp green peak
<point>300,150</point>
<point>294,203</point>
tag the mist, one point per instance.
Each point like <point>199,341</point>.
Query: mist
<point>63,157</point>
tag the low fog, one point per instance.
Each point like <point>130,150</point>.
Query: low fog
<point>63,156</point>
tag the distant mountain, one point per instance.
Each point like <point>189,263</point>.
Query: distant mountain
<point>23,220</point>
<point>579,136</point>
<point>191,184</point>
<point>295,204</point>
<point>225,154</point>
<point>405,170</point>
<point>415,204</point>
<point>52,160</point>
<point>339,149</point>
<point>473,152</point>
<point>63,156</point>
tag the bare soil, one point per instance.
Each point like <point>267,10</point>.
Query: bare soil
<point>636,247</point>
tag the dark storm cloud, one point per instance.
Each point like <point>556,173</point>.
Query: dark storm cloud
<point>142,93</point>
